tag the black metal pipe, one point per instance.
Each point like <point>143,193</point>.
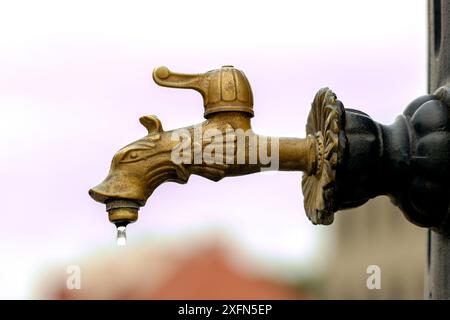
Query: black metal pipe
<point>438,75</point>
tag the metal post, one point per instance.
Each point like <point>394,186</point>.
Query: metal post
<point>438,75</point>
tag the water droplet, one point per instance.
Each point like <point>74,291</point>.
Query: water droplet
<point>121,236</point>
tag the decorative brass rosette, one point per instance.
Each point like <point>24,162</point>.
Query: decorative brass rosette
<point>325,121</point>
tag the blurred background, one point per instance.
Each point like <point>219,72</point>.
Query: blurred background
<point>71,74</point>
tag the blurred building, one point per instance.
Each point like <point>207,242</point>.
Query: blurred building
<point>157,270</point>
<point>209,267</point>
<point>375,234</point>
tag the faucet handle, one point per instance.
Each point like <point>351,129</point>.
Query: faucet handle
<point>224,89</point>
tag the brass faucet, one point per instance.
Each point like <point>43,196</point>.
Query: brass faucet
<point>347,158</point>
<point>140,167</point>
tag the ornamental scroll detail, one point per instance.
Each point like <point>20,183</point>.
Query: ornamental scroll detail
<point>324,124</point>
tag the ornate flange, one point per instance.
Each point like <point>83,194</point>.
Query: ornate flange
<point>325,125</point>
<point>358,159</point>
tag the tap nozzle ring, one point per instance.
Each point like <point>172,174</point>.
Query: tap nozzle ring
<point>121,212</point>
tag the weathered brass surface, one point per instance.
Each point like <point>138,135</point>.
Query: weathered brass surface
<point>224,89</point>
<point>347,158</point>
<point>325,124</point>
<point>140,167</point>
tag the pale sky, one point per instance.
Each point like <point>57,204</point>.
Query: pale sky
<point>70,75</point>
